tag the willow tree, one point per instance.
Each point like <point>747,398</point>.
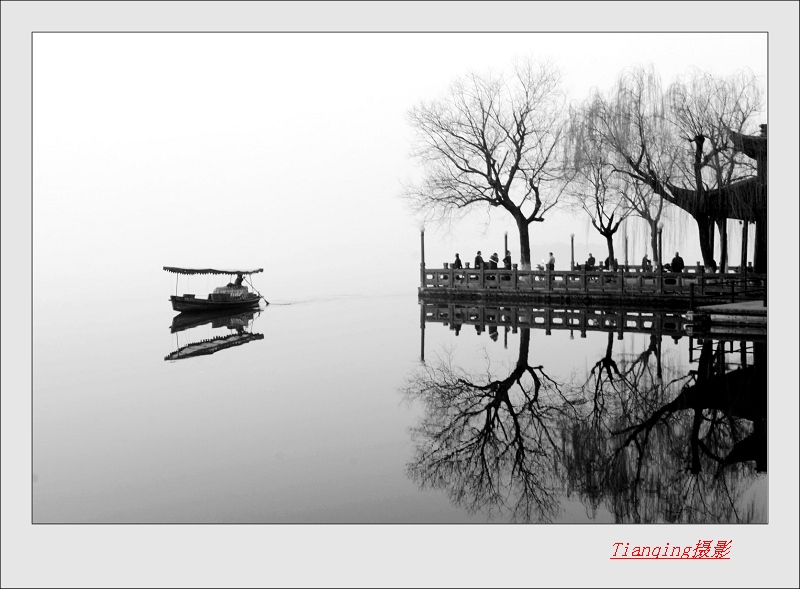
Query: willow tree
<point>646,204</point>
<point>678,142</point>
<point>596,188</point>
<point>493,141</point>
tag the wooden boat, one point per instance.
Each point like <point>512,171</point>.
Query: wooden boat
<point>234,295</point>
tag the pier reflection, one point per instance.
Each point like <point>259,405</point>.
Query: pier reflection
<point>643,438</point>
<point>239,325</point>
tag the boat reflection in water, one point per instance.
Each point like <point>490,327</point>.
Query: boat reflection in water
<point>633,435</point>
<point>239,325</point>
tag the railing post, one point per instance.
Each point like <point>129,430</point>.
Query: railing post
<point>514,283</point>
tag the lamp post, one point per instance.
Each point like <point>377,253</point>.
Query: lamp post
<point>660,247</point>
<point>572,251</point>
<point>626,252</point>
<point>505,244</point>
<point>422,256</point>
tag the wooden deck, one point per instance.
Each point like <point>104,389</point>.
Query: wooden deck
<point>685,290</point>
<point>747,318</point>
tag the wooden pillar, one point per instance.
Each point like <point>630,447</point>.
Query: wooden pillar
<point>745,231</point>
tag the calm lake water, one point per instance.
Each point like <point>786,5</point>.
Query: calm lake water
<point>329,414</point>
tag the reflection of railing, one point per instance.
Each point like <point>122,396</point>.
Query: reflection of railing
<point>549,318</point>
<point>693,282</point>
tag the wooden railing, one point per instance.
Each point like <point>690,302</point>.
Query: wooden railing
<point>692,282</point>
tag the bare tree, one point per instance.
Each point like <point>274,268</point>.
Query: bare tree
<point>679,143</point>
<point>492,141</point>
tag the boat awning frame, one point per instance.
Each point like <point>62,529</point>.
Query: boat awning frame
<point>175,270</point>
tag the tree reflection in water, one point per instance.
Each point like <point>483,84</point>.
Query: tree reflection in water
<point>676,451</point>
<point>634,437</point>
<point>489,442</point>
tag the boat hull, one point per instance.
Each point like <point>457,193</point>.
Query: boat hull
<point>189,304</point>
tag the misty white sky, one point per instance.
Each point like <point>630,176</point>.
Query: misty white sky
<point>287,150</point>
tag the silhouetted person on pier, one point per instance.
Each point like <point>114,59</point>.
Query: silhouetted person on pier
<point>493,259</point>
<point>507,261</point>
<point>647,265</point>
<point>590,262</point>
<point>551,262</point>
<point>677,263</point>
<point>478,261</point>
<point>457,263</point>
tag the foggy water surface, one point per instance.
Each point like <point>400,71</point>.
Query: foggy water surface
<point>328,414</point>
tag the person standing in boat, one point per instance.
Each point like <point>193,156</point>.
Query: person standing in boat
<point>457,264</point>
<point>238,283</point>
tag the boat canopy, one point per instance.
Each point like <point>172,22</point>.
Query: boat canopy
<point>209,271</point>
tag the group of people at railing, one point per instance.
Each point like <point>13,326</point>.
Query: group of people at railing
<point>480,264</point>
<point>675,266</point>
